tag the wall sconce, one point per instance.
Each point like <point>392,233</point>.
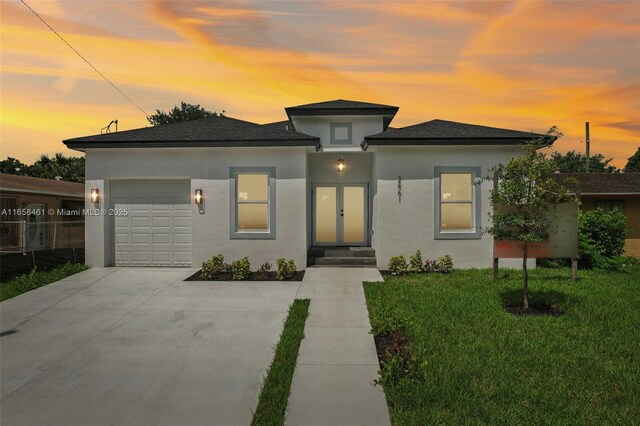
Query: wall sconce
<point>340,165</point>
<point>95,196</point>
<point>198,197</point>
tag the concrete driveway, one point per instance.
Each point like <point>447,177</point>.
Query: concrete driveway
<point>138,346</point>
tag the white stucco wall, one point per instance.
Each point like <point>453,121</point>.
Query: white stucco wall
<point>320,126</point>
<point>402,227</point>
<point>208,169</point>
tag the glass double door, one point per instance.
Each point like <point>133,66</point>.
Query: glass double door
<point>340,214</point>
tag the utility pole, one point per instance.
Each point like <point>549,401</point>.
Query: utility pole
<point>588,143</point>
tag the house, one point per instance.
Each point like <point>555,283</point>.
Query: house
<point>37,202</point>
<point>612,191</point>
<point>334,174</point>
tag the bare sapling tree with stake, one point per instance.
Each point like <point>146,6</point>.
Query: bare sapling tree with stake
<point>527,187</point>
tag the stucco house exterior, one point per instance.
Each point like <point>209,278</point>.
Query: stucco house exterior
<point>334,174</point>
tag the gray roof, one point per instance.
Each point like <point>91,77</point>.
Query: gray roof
<point>211,131</point>
<point>345,107</point>
<point>604,183</point>
<point>437,132</point>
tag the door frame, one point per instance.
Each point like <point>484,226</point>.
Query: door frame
<point>339,205</point>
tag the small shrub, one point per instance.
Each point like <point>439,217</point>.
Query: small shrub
<point>398,265</point>
<point>265,267</point>
<point>241,269</point>
<point>429,266</point>
<point>227,268</point>
<point>444,264</point>
<point>213,266</point>
<point>285,269</point>
<point>415,262</point>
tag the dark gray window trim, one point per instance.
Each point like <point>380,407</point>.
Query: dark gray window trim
<point>234,234</point>
<point>444,235</point>
<point>347,141</point>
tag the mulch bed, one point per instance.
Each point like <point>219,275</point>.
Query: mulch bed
<point>255,276</point>
<point>393,343</point>
<point>534,309</point>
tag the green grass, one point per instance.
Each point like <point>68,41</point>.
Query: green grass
<point>488,366</point>
<point>35,279</point>
<point>276,387</point>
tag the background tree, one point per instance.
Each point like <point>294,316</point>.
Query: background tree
<point>68,168</point>
<point>185,112</point>
<point>527,188</point>
<point>574,162</point>
<point>633,164</point>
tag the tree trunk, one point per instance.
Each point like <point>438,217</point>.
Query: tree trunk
<point>525,276</point>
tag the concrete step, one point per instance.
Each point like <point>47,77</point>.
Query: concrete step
<point>349,260</point>
<point>341,252</point>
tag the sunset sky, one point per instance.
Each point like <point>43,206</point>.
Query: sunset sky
<point>523,65</point>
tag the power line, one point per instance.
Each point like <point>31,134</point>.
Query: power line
<point>85,59</point>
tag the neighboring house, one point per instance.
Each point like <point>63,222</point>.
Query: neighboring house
<point>333,174</point>
<point>613,191</point>
<point>36,201</point>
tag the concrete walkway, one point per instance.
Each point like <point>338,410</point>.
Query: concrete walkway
<point>333,380</point>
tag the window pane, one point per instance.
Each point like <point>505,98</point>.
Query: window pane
<point>253,217</point>
<point>353,222</point>
<point>455,217</point>
<point>253,187</point>
<point>455,186</point>
<point>326,215</point>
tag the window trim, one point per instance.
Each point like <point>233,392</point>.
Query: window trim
<point>236,234</point>
<point>348,141</point>
<point>476,204</point>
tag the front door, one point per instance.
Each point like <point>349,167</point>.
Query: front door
<point>340,214</point>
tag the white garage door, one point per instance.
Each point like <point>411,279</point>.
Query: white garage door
<point>156,231</point>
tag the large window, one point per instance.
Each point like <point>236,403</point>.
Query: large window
<point>341,133</point>
<point>252,202</point>
<point>457,203</point>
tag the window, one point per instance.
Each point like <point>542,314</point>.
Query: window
<point>341,133</point>
<point>608,205</point>
<point>457,203</point>
<point>252,202</point>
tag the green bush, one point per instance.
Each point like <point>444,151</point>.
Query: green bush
<point>415,262</point>
<point>602,236</point>
<point>398,265</point>
<point>26,282</point>
<point>285,269</point>
<point>265,267</point>
<point>212,267</point>
<point>444,264</point>
<point>241,269</point>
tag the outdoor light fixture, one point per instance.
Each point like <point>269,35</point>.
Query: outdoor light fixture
<point>95,196</point>
<point>340,165</point>
<point>198,196</point>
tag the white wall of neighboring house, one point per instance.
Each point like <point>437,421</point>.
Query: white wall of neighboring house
<point>207,169</point>
<point>402,226</point>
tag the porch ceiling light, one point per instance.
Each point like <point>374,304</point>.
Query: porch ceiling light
<point>199,197</point>
<point>341,165</point>
<point>95,195</point>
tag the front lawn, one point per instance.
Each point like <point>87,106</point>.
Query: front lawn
<point>486,365</point>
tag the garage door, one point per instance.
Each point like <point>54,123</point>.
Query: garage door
<point>156,231</point>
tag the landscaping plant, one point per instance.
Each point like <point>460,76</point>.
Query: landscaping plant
<point>241,269</point>
<point>444,264</point>
<point>213,266</point>
<point>34,279</point>
<point>398,265</point>
<point>526,189</point>
<point>265,267</point>
<point>602,237</point>
<point>285,269</point>
<point>415,262</point>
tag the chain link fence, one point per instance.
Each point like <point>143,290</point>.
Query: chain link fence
<point>23,236</point>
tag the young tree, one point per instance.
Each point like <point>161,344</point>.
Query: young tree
<point>526,189</point>
<point>574,162</point>
<point>633,164</point>
<point>183,113</point>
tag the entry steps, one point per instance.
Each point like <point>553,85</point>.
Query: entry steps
<point>341,256</point>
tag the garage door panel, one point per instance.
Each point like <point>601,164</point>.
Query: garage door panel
<point>157,229</point>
